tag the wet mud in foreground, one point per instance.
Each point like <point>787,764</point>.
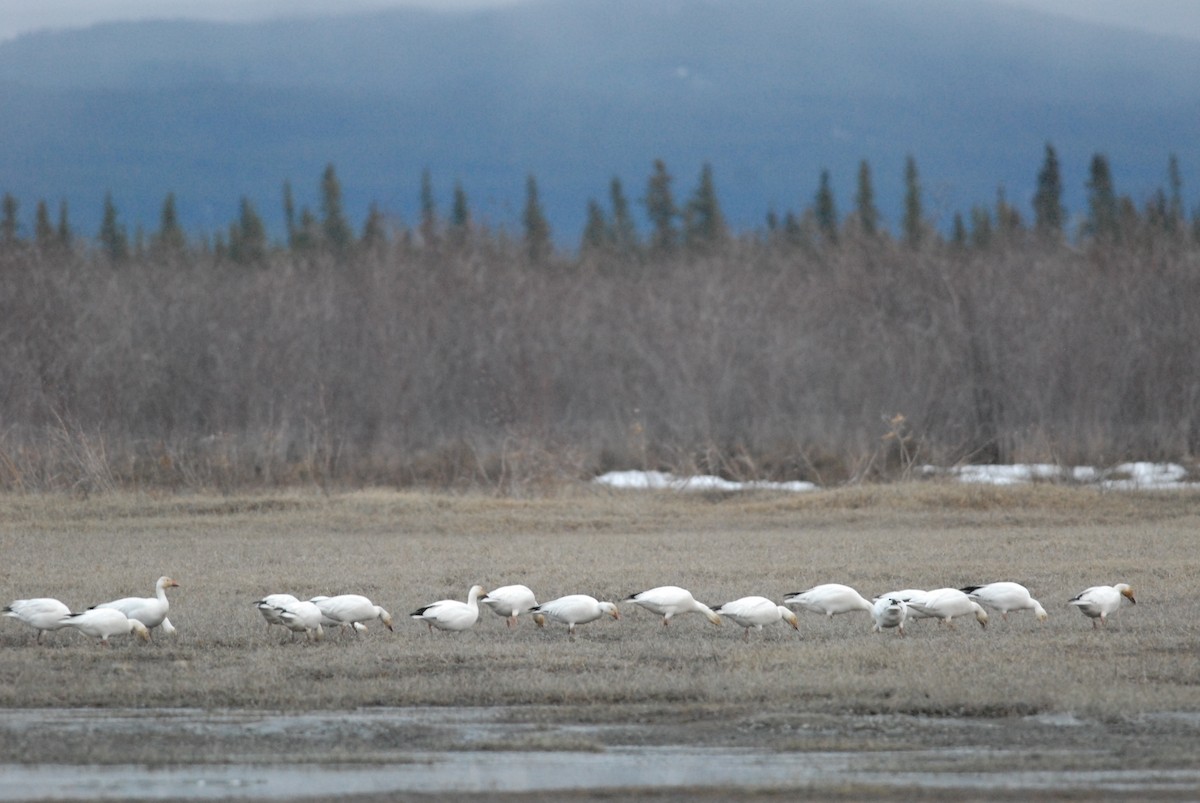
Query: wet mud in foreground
<point>450,752</point>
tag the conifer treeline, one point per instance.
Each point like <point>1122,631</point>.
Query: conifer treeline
<point>821,347</point>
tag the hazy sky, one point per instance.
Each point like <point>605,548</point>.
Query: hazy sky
<point>1172,17</point>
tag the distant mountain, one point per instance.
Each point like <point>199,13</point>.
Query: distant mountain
<point>770,92</point>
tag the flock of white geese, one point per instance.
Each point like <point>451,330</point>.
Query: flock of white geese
<point>140,615</point>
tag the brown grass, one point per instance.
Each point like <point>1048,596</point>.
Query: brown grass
<point>407,549</point>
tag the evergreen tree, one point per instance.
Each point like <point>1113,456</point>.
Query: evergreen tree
<point>170,237</point>
<point>429,217</point>
<point>460,215</point>
<point>336,230</point>
<point>825,209</point>
<point>537,228</point>
<point>1048,212</point>
<point>63,233</point>
<point>308,232</point>
<point>374,234</point>
<point>43,229</point>
<point>113,238</point>
<point>1175,202</point>
<point>660,208</point>
<point>289,214</point>
<point>864,200</point>
<point>981,228</point>
<point>248,237</point>
<point>624,233</point>
<point>1104,220</point>
<point>958,234</point>
<point>914,214</point>
<point>8,223</point>
<point>1008,218</point>
<point>704,224</point>
<point>596,233</point>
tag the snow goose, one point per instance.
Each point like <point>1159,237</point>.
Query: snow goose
<point>889,612</point>
<point>947,603</point>
<point>450,614</point>
<point>150,611</point>
<point>1098,602</point>
<point>829,599</point>
<point>104,622</point>
<point>269,607</point>
<point>512,601</point>
<point>351,610</point>
<point>41,613</point>
<point>667,601</point>
<point>576,609</point>
<point>301,616</point>
<point>754,612</point>
<point>1005,596</point>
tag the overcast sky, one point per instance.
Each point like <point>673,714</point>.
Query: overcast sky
<point>1172,17</point>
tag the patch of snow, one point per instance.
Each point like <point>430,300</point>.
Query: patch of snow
<point>658,480</point>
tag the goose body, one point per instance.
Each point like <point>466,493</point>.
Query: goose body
<point>351,610</point>
<point>1004,597</point>
<point>889,612</point>
<point>1098,602</point>
<point>754,612</point>
<point>668,601</point>
<point>451,614</point>
<point>576,609</point>
<point>42,614</point>
<point>947,603</point>
<point>510,602</point>
<point>102,623</point>
<point>150,611</point>
<point>829,599</point>
<point>301,616</point>
<point>269,607</point>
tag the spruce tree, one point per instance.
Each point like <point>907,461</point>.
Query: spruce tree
<point>660,209</point>
<point>704,224</point>
<point>537,228</point>
<point>336,230</point>
<point>1104,220</point>
<point>1048,212</point>
<point>170,237</point>
<point>914,214</point>
<point>624,232</point>
<point>429,216</point>
<point>864,201</point>
<point>113,239</point>
<point>460,216</point>
<point>248,237</point>
<point>289,214</point>
<point>1175,201</point>
<point>597,236</point>
<point>43,229</point>
<point>8,222</point>
<point>825,209</point>
<point>63,233</point>
<point>374,235</point>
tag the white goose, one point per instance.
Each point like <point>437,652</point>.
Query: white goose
<point>352,610</point>
<point>667,601</point>
<point>269,607</point>
<point>102,623</point>
<point>1098,602</point>
<point>889,612</point>
<point>576,609</point>
<point>829,599</point>
<point>512,601</point>
<point>150,611</point>
<point>754,612</point>
<point>41,613</point>
<point>1006,596</point>
<point>947,603</point>
<point>301,616</point>
<point>450,614</point>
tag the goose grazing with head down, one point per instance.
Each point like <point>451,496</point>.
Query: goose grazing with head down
<point>947,603</point>
<point>301,617</point>
<point>1098,602</point>
<point>754,612</point>
<point>1005,596</point>
<point>450,614</point>
<point>576,609</point>
<point>150,611</point>
<point>829,599</point>
<point>512,601</point>
<point>667,601</point>
<point>41,613</point>
<point>102,623</point>
<point>351,610</point>
<point>889,612</point>
<point>269,607</point>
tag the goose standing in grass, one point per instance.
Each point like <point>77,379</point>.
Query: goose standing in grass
<point>512,601</point>
<point>352,610</point>
<point>102,623</point>
<point>301,616</point>
<point>754,612</point>
<point>576,609</point>
<point>829,599</point>
<point>450,614</point>
<point>947,603</point>
<point>1098,602</point>
<point>269,607</point>
<point>150,611</point>
<point>889,612</point>
<point>667,601</point>
<point>1005,596</point>
<point>42,614</point>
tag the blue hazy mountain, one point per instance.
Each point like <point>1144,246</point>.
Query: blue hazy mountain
<point>769,92</point>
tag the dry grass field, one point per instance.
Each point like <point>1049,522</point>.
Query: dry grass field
<point>697,683</point>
